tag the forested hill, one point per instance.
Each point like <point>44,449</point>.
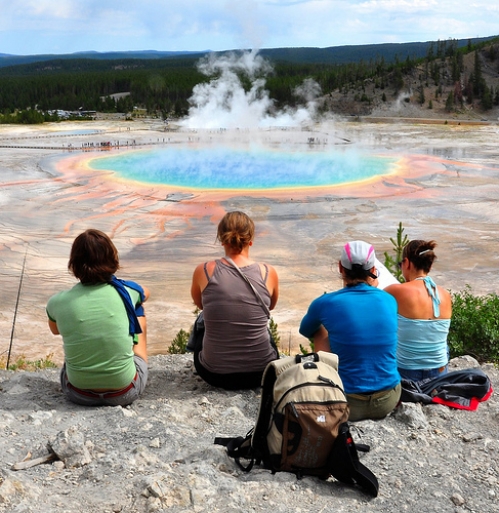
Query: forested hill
<point>15,60</point>
<point>389,52</point>
<point>331,55</point>
<point>451,76</point>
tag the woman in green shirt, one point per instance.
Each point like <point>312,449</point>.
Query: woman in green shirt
<point>103,327</point>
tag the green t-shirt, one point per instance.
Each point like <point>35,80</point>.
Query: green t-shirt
<point>93,322</point>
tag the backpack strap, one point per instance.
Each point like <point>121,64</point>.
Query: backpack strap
<point>344,464</point>
<point>265,411</point>
<point>237,448</point>
<point>253,446</point>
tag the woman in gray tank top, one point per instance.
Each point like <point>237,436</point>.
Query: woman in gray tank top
<point>237,345</point>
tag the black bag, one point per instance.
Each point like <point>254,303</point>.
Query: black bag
<point>196,336</point>
<point>302,424</point>
<point>463,389</point>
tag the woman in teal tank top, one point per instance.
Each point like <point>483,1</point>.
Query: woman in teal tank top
<point>424,315</point>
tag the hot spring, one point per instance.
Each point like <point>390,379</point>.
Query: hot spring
<point>224,168</point>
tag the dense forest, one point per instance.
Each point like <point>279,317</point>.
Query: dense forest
<point>36,91</point>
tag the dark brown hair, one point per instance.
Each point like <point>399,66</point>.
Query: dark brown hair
<point>357,274</point>
<point>420,253</point>
<point>94,257</point>
<point>236,230</point>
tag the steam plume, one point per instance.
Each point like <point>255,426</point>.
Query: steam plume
<point>223,102</point>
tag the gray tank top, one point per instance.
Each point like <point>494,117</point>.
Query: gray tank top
<point>236,337</point>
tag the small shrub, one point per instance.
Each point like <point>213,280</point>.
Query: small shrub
<point>474,328</point>
<point>307,350</point>
<point>391,262</point>
<point>179,343</point>
<point>273,331</point>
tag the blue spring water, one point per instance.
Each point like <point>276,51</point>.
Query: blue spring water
<point>226,169</point>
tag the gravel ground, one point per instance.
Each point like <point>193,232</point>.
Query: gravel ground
<point>158,454</point>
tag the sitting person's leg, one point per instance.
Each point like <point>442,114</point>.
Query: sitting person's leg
<point>140,347</point>
<point>233,381</point>
<point>122,397</point>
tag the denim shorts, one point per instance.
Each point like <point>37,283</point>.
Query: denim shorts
<point>420,374</point>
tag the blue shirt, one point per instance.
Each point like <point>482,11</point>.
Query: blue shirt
<point>361,322</point>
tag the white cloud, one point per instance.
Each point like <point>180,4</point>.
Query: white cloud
<point>62,26</point>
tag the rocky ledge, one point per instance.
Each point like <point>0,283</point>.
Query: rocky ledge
<point>158,454</point>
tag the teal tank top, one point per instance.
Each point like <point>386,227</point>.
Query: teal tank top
<point>422,343</point>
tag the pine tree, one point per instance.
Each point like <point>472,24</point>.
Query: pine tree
<point>421,96</point>
<point>487,101</point>
<point>478,81</point>
<point>449,104</point>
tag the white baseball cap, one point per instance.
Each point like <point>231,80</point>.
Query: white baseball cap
<point>360,253</point>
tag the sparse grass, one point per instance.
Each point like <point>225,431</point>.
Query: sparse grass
<point>307,350</point>
<point>29,365</point>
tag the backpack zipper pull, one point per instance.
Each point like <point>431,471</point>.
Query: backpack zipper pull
<point>328,381</point>
<point>293,409</point>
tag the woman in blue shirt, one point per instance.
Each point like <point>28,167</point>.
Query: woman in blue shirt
<point>359,324</point>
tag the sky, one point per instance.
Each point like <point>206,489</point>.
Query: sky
<point>30,27</point>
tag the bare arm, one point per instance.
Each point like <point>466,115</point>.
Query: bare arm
<point>273,286</point>
<point>147,293</point>
<point>321,340</point>
<point>199,282</point>
<point>53,327</point>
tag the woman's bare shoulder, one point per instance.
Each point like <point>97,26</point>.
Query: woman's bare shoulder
<point>394,288</point>
<point>267,268</point>
<point>199,271</point>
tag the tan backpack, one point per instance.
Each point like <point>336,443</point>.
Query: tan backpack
<point>302,424</point>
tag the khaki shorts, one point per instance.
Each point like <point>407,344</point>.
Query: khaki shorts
<point>373,406</point>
